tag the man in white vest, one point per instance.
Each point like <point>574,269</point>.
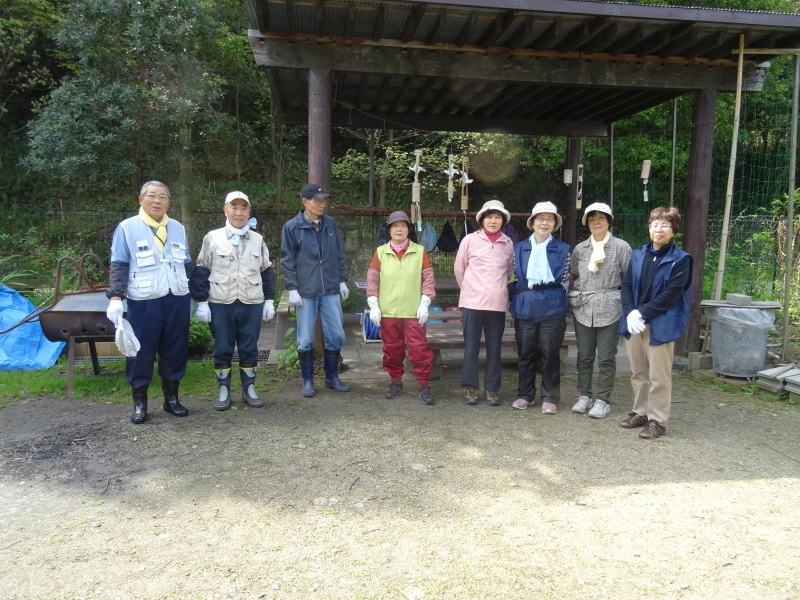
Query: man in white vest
<point>231,281</point>
<point>150,266</point>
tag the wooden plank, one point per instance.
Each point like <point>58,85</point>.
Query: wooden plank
<point>569,68</point>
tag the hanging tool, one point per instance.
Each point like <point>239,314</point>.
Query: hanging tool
<point>416,213</point>
<point>465,181</point>
<point>451,170</point>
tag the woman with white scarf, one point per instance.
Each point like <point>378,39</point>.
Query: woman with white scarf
<point>598,267</point>
<point>539,307</point>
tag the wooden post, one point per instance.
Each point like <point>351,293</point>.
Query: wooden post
<point>695,218</point>
<point>573,158</point>
<point>319,150</point>
<point>319,128</point>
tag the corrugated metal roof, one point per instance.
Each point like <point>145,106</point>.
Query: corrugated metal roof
<point>538,66</point>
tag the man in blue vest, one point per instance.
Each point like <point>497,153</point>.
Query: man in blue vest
<point>150,266</point>
<point>315,273</point>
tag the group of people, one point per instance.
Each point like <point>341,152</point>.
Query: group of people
<point>642,295</point>
<point>233,284</point>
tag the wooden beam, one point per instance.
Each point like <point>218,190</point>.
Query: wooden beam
<point>566,70</point>
<point>426,122</point>
<point>412,23</point>
<point>466,31</point>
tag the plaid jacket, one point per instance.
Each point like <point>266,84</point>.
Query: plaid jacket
<point>605,307</point>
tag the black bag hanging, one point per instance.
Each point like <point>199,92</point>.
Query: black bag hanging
<point>466,230</point>
<point>448,242</point>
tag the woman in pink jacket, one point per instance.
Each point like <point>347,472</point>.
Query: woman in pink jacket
<point>484,264</point>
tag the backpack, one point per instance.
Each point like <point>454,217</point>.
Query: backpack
<point>428,238</point>
<point>447,240</point>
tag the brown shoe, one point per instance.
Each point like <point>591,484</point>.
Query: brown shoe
<point>633,421</point>
<point>652,430</point>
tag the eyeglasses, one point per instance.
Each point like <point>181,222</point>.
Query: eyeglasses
<point>154,197</point>
<point>549,220</point>
<point>660,225</point>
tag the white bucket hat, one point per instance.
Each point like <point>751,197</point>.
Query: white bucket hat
<point>493,205</point>
<point>598,207</point>
<point>126,340</point>
<point>544,207</point>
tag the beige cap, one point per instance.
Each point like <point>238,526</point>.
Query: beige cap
<point>544,207</point>
<point>598,207</point>
<point>493,205</point>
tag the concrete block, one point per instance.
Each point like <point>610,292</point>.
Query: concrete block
<point>700,360</point>
<point>738,299</point>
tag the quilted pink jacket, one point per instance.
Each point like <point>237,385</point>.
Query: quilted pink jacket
<point>482,270</point>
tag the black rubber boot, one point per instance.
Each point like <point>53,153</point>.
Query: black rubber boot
<point>307,371</point>
<point>223,373</point>
<point>248,378</point>
<point>139,405</point>
<point>171,403</point>
<point>332,372</point>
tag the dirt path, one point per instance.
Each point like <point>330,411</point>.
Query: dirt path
<point>352,496</point>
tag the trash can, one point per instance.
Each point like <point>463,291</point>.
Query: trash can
<point>739,339</point>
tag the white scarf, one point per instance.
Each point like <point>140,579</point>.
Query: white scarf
<point>538,268</point>
<point>598,252</point>
<point>236,234</point>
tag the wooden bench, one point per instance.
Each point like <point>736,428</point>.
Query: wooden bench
<point>446,333</point>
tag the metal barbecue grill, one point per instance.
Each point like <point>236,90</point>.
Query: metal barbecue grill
<point>78,315</point>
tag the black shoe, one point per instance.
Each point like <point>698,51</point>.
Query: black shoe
<point>425,396</point>
<point>171,403</point>
<point>395,389</point>
<point>492,399</point>
<point>139,405</point>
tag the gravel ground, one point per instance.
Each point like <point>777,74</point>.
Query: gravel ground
<point>353,496</point>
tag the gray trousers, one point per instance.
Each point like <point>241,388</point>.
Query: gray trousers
<point>601,342</point>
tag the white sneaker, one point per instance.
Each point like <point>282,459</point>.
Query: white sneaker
<point>600,409</point>
<point>583,404</point>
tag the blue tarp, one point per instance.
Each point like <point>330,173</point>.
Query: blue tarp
<point>24,348</point>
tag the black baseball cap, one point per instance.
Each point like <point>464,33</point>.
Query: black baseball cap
<point>313,192</point>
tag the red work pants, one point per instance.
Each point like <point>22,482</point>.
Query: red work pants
<point>399,335</point>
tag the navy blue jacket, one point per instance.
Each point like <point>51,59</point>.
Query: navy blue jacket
<point>305,269</point>
<point>545,301</point>
<point>667,312</point>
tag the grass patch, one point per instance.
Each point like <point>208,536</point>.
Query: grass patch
<point>111,386</point>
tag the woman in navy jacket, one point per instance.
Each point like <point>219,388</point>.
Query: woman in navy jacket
<point>539,307</point>
<point>656,293</point>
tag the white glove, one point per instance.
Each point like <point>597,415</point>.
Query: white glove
<point>203,312</point>
<point>114,311</point>
<point>269,311</point>
<point>294,298</point>
<point>374,311</point>
<point>636,323</point>
<point>343,291</point>
<point>422,311</point>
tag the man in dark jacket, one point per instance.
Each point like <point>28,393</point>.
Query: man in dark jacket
<point>315,273</point>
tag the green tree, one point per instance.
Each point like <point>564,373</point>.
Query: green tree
<point>145,83</point>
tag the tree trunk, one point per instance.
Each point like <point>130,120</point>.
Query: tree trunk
<point>185,182</point>
<point>277,156</point>
<point>382,195</point>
